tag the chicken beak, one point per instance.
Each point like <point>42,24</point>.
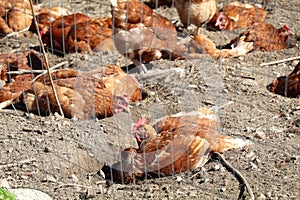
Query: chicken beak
<point>126,109</point>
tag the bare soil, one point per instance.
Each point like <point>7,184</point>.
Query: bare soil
<point>62,157</point>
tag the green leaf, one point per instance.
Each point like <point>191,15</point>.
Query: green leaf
<point>5,195</point>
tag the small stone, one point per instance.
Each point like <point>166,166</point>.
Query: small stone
<point>10,150</point>
<point>249,82</point>
<point>90,193</point>
<point>24,177</point>
<point>49,178</point>
<point>57,116</point>
<point>216,167</point>
<point>260,135</point>
<point>269,194</point>
<point>261,197</point>
<point>148,195</point>
<point>178,178</point>
<point>291,135</point>
<point>101,190</point>
<point>223,189</point>
<point>164,188</point>
<point>47,149</point>
<point>91,154</point>
<point>16,45</point>
<point>29,194</point>
<point>4,183</point>
<point>249,129</point>
<point>192,86</point>
<point>74,178</point>
<point>276,129</point>
<point>254,166</point>
<point>250,154</point>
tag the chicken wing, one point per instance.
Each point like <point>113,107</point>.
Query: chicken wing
<point>287,86</point>
<point>182,142</point>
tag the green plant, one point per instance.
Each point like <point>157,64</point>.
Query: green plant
<point>5,195</point>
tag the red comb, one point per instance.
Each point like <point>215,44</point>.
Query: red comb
<point>43,32</point>
<point>140,122</point>
<point>287,28</point>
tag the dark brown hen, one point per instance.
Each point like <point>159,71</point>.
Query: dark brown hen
<point>287,86</point>
<point>55,38</point>
<point>264,37</point>
<point>141,34</point>
<point>93,35</point>
<point>46,16</point>
<point>100,93</point>
<point>182,142</point>
<point>236,15</point>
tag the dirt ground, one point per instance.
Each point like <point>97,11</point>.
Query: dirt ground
<point>62,157</point>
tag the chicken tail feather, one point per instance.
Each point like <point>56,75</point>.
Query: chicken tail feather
<point>226,143</point>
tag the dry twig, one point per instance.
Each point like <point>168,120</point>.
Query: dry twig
<point>40,72</point>
<point>46,59</point>
<point>237,175</point>
<point>14,33</point>
<point>158,73</point>
<point>280,61</point>
<point>21,162</point>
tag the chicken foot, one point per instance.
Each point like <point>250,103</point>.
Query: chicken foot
<point>242,180</point>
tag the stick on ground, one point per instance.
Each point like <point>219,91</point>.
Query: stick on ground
<point>46,59</point>
<point>17,163</point>
<point>242,180</point>
<point>40,72</point>
<point>280,61</point>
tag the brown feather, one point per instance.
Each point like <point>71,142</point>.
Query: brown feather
<point>288,86</point>
<point>183,142</point>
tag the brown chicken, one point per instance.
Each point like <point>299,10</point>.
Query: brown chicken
<point>236,15</point>
<point>200,44</point>
<point>11,92</point>
<point>15,15</point>
<point>4,28</point>
<point>117,81</point>
<point>15,20</point>
<point>55,38</point>
<point>262,36</point>
<point>287,86</point>
<point>6,5</point>
<point>16,62</point>
<point>19,19</point>
<point>12,86</point>
<point>46,16</point>
<point>141,34</point>
<point>182,142</point>
<point>94,35</point>
<point>197,12</point>
<point>81,95</point>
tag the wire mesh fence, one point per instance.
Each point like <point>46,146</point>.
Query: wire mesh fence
<point>137,103</point>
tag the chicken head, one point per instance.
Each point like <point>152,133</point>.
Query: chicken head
<point>222,21</point>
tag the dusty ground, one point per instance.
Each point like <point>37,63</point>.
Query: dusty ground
<point>62,157</point>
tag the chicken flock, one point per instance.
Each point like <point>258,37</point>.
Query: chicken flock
<point>139,33</point>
